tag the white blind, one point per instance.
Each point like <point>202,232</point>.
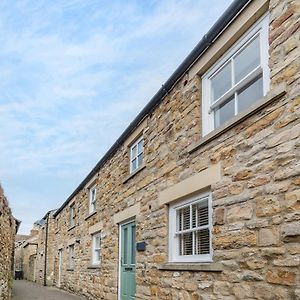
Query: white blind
<point>193,228</point>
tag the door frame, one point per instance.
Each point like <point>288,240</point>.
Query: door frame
<point>128,221</point>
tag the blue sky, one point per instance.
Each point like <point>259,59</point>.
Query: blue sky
<point>73,74</point>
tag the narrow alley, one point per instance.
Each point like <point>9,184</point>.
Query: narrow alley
<point>26,290</point>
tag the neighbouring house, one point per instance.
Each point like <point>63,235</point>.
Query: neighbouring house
<point>8,229</point>
<point>199,198</point>
<point>36,252</point>
<point>20,241</point>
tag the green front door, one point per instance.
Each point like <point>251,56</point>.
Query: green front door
<point>128,261</point>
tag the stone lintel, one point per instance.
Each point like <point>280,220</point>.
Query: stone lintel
<point>196,183</point>
<point>96,228</point>
<point>127,213</point>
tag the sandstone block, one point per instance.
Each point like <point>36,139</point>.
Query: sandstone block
<point>251,276</point>
<point>267,206</point>
<point>287,262</point>
<point>239,212</point>
<point>268,237</point>
<point>234,240</point>
<point>292,200</point>
<point>219,216</point>
<point>243,175</point>
<point>291,232</point>
<point>281,277</point>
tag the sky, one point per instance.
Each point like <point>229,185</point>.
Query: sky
<point>73,75</point>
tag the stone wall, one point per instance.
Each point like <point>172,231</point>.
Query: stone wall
<point>20,241</point>
<point>7,235</point>
<point>255,204</point>
<point>34,252</point>
<point>41,251</point>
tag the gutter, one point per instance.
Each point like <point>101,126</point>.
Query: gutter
<point>221,24</point>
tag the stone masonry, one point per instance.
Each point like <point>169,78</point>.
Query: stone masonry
<point>32,252</point>
<point>256,204</point>
<point>7,235</point>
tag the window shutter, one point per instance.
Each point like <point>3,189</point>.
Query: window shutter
<point>193,228</point>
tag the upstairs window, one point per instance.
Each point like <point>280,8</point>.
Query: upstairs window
<point>238,80</point>
<point>96,242</point>
<point>72,215</point>
<point>136,154</point>
<point>92,199</point>
<point>71,256</point>
<point>190,225</point>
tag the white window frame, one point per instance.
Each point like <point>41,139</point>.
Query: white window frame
<point>92,201</point>
<point>95,261</point>
<point>72,215</point>
<point>72,256</point>
<point>260,28</point>
<point>137,154</point>
<point>173,237</point>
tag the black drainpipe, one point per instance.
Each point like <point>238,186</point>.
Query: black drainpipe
<point>46,249</point>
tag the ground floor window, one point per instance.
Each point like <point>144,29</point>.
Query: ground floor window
<point>190,223</point>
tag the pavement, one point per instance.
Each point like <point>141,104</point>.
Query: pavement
<point>27,290</point>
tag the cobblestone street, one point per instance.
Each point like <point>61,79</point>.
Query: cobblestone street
<point>26,290</point>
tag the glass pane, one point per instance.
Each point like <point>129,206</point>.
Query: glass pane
<point>202,212</point>
<point>202,241</point>
<point>194,216</point>
<point>140,146</point>
<point>250,94</point>
<point>186,244</point>
<point>134,164</point>
<point>125,246</point>
<point>97,244</point>
<point>221,82</point>
<point>133,152</point>
<point>247,60</point>
<point>97,255</point>
<point>184,218</point>
<point>224,112</point>
<point>133,246</point>
<point>93,194</point>
<point>140,159</point>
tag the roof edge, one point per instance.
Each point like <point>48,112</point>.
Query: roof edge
<point>219,26</point>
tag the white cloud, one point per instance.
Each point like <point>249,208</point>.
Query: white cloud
<point>73,74</point>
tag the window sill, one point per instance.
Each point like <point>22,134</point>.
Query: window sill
<point>90,215</point>
<point>193,267</point>
<point>134,173</point>
<point>273,95</point>
<point>72,227</point>
<point>93,267</point>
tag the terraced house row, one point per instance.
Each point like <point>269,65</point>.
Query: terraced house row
<point>199,197</point>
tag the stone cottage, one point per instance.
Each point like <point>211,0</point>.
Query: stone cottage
<point>20,241</point>
<point>34,253</point>
<point>8,228</point>
<point>199,197</point>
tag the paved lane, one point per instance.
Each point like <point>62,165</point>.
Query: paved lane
<point>26,290</point>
